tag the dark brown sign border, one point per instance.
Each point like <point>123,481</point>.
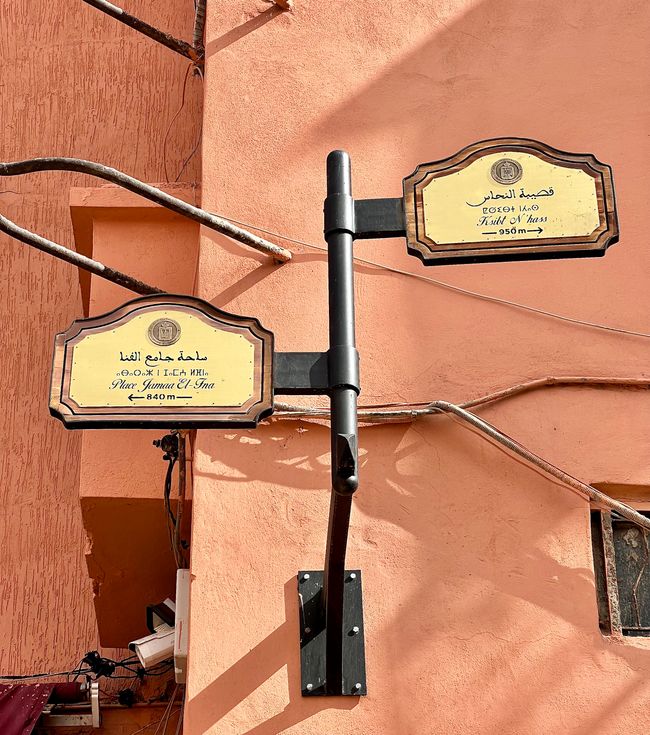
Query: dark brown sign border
<point>168,417</point>
<point>595,244</point>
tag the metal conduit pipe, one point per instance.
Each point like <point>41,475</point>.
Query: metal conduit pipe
<point>70,256</point>
<point>514,446</point>
<point>597,496</point>
<point>199,27</point>
<point>223,226</point>
<point>180,47</point>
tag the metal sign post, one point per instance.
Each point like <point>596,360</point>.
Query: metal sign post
<point>501,200</point>
<point>327,602</point>
<point>344,388</point>
<point>176,361</point>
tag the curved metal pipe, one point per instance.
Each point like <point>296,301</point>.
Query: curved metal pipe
<point>180,47</point>
<point>199,27</point>
<point>435,407</point>
<point>212,221</point>
<point>69,256</point>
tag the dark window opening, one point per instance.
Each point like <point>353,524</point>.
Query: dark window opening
<point>622,567</point>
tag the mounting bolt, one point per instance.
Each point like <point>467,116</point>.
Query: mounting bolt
<point>309,687</point>
<point>355,630</point>
<point>353,575</point>
<point>307,630</point>
<point>357,687</point>
<point>305,577</point>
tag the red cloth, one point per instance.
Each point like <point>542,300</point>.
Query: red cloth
<point>21,705</point>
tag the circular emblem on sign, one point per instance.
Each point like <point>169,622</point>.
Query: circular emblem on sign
<point>164,332</point>
<point>506,171</point>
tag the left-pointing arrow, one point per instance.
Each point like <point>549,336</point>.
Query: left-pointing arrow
<point>134,398</point>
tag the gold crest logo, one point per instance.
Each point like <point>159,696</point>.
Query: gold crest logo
<point>164,332</point>
<point>506,171</point>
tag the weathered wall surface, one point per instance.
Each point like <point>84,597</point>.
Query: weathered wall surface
<point>72,82</point>
<point>479,593</point>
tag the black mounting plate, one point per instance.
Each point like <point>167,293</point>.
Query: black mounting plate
<point>313,636</point>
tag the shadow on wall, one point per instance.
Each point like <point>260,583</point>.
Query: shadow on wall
<point>276,651</point>
<point>554,71</point>
<point>236,34</point>
<point>409,471</point>
<point>561,72</point>
<point>483,564</point>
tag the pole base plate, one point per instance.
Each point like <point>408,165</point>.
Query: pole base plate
<point>313,637</point>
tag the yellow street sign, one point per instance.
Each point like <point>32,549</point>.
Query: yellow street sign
<point>506,199</point>
<point>163,361</point>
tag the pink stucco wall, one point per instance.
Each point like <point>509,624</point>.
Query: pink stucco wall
<point>72,82</point>
<point>479,595</point>
<point>121,473</point>
<point>478,582</point>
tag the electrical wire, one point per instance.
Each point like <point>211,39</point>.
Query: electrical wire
<point>179,725</point>
<point>449,286</point>
<point>174,447</point>
<point>20,677</point>
<point>77,670</point>
<point>151,724</point>
<point>193,151</point>
<point>158,669</point>
<point>177,544</point>
<point>167,712</point>
<point>168,489</point>
<point>173,120</point>
<point>410,411</point>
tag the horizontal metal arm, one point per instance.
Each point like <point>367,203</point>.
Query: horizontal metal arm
<point>377,218</point>
<point>180,47</point>
<point>300,373</point>
<point>69,256</point>
<point>18,168</point>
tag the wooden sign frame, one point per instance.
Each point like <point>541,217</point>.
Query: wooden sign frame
<point>74,416</point>
<point>432,253</point>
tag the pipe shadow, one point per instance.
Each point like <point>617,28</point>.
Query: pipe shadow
<point>236,34</point>
<point>490,540</point>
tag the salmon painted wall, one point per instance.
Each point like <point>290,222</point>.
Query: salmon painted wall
<point>72,82</point>
<point>479,598</point>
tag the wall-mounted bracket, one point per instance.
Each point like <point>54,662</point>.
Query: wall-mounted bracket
<point>313,637</point>
<point>300,373</point>
<point>378,218</point>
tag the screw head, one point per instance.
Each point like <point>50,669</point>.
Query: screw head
<point>309,687</point>
<point>355,630</point>
<point>305,577</point>
<point>357,687</point>
<point>353,575</point>
<point>307,630</point>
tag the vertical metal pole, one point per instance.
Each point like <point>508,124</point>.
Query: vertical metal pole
<point>343,364</point>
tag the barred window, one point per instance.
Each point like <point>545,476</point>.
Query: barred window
<point>622,567</point>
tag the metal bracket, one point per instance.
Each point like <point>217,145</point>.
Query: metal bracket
<point>377,218</point>
<point>300,373</point>
<point>313,637</point>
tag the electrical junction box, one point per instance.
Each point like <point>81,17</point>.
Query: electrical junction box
<point>181,628</point>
